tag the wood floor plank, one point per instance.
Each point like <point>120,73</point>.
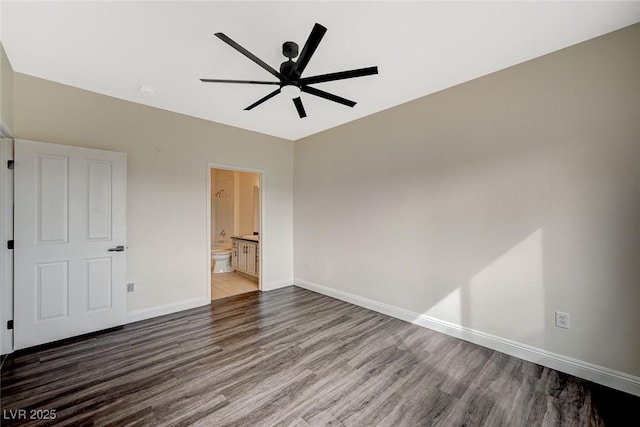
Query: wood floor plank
<point>292,357</point>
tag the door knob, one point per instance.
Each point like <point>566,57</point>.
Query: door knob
<point>119,248</point>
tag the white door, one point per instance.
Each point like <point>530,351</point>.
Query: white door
<point>70,235</point>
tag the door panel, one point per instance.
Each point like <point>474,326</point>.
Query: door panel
<point>251,258</point>
<point>52,191</point>
<point>99,177</point>
<point>235,255</point>
<point>98,283</point>
<point>52,295</point>
<point>70,209</point>
<point>242,256</point>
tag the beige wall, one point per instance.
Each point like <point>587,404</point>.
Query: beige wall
<point>492,204</point>
<point>6,91</point>
<point>168,254</point>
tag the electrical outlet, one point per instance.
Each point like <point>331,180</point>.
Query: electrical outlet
<point>562,320</point>
<point>308,265</point>
<point>130,287</point>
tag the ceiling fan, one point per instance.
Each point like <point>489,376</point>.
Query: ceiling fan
<point>290,80</point>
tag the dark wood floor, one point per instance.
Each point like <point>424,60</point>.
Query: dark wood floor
<point>294,357</point>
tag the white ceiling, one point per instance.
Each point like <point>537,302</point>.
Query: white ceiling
<point>113,48</point>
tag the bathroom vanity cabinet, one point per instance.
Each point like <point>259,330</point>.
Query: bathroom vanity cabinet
<point>245,255</point>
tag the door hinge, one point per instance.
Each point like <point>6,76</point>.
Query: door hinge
<point>9,324</point>
<point>9,244</point>
<point>10,164</point>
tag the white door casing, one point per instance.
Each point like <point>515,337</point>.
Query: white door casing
<point>6,255</point>
<point>70,210</point>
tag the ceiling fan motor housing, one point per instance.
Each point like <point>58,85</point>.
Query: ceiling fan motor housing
<point>287,70</point>
<point>290,49</point>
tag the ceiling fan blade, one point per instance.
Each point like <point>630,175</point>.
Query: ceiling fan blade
<point>298,103</point>
<point>327,95</point>
<point>249,55</point>
<point>261,100</point>
<point>340,75</point>
<point>255,82</point>
<point>309,48</point>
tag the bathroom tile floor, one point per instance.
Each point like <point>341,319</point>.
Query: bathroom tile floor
<point>228,284</point>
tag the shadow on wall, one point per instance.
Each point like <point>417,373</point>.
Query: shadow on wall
<point>492,238</point>
<point>513,285</point>
<point>556,234</point>
<point>492,204</point>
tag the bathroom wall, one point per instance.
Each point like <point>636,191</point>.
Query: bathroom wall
<point>491,205</point>
<point>223,213</point>
<point>212,206</point>
<point>232,205</point>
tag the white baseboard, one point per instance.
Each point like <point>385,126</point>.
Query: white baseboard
<point>597,374</point>
<point>270,286</point>
<point>161,310</point>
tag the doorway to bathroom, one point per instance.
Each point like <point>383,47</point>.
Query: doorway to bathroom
<point>235,225</point>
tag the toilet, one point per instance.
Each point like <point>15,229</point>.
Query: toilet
<point>221,260</point>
